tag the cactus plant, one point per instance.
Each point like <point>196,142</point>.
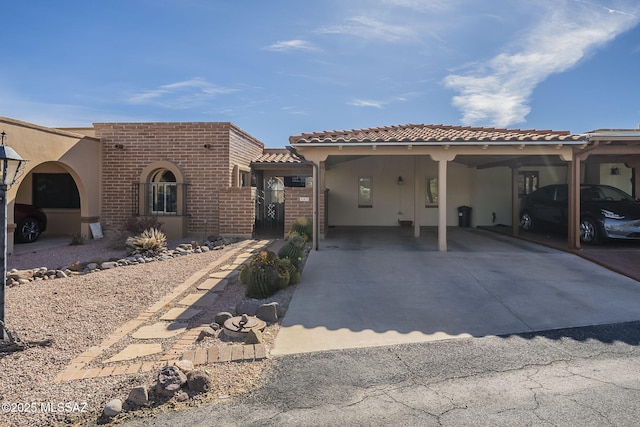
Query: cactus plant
<point>294,273</point>
<point>296,239</point>
<point>291,252</point>
<point>304,227</point>
<point>263,275</point>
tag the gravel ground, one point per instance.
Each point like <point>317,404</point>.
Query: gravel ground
<point>81,311</point>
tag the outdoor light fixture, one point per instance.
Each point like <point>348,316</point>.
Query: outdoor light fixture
<point>400,180</point>
<point>207,145</point>
<point>10,166</point>
<point>615,170</point>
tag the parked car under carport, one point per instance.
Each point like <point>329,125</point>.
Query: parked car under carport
<point>30,221</point>
<point>606,212</point>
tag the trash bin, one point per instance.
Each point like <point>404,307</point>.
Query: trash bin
<point>464,216</point>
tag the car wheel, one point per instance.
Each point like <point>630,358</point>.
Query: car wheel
<point>589,233</point>
<point>526,222</point>
<point>28,230</point>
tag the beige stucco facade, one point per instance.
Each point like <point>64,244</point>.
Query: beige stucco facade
<point>50,151</point>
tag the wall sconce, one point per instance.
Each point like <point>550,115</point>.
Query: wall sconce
<point>119,146</point>
<point>400,180</point>
<point>615,170</point>
<point>207,145</point>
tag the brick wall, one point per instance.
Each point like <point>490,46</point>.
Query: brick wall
<point>294,207</point>
<point>238,215</point>
<point>202,151</point>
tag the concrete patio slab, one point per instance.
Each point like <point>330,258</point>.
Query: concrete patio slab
<point>382,287</point>
<point>211,284</point>
<point>180,314</point>
<point>203,299</point>
<point>160,330</point>
<point>220,274</point>
<point>134,351</point>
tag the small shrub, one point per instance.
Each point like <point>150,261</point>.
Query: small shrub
<point>77,239</point>
<point>149,242</point>
<point>304,227</point>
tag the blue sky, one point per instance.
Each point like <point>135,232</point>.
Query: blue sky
<point>282,67</point>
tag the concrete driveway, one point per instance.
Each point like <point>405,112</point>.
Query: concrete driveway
<point>369,287</point>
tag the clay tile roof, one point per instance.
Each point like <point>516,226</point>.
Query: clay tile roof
<point>277,155</point>
<point>413,133</point>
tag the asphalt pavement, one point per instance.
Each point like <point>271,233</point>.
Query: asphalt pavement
<point>586,376</point>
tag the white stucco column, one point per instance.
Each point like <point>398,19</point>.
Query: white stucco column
<point>442,157</point>
<point>416,198</point>
<point>442,205</point>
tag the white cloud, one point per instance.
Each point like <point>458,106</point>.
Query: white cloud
<point>291,45</point>
<point>180,95</point>
<point>498,92</point>
<point>366,103</point>
<point>372,29</point>
<point>423,5</point>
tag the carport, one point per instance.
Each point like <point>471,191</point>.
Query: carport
<point>474,147</point>
<point>478,149</point>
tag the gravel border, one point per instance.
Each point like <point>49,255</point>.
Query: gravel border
<point>78,312</point>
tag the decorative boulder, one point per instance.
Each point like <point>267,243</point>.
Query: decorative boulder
<point>170,381</point>
<point>199,381</point>
<point>222,317</point>
<point>268,312</point>
<point>113,408</point>
<point>139,395</point>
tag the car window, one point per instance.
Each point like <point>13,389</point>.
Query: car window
<point>561,194</point>
<point>611,193</point>
<point>544,195</point>
<point>590,194</point>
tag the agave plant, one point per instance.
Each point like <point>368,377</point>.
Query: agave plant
<point>150,242</point>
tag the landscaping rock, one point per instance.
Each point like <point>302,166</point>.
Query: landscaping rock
<point>113,408</point>
<point>170,381</point>
<point>199,381</point>
<point>139,395</point>
<point>182,396</point>
<point>75,266</point>
<point>206,332</point>
<point>268,312</point>
<point>222,317</point>
<point>108,265</point>
<point>254,336</point>
<point>184,365</point>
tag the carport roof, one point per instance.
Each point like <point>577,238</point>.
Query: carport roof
<point>436,134</point>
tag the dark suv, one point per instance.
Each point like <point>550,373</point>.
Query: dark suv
<point>605,212</point>
<point>30,223</point>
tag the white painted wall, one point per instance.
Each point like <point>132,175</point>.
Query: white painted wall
<point>622,181</point>
<point>389,198</point>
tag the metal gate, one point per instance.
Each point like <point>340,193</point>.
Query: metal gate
<point>270,208</point>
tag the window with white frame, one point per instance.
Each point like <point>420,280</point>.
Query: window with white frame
<point>365,196</point>
<point>164,193</point>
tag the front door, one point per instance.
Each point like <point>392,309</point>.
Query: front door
<point>270,208</point>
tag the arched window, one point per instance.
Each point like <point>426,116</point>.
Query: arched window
<point>164,193</point>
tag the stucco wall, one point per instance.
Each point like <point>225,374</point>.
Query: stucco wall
<point>389,198</point>
<point>47,149</point>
